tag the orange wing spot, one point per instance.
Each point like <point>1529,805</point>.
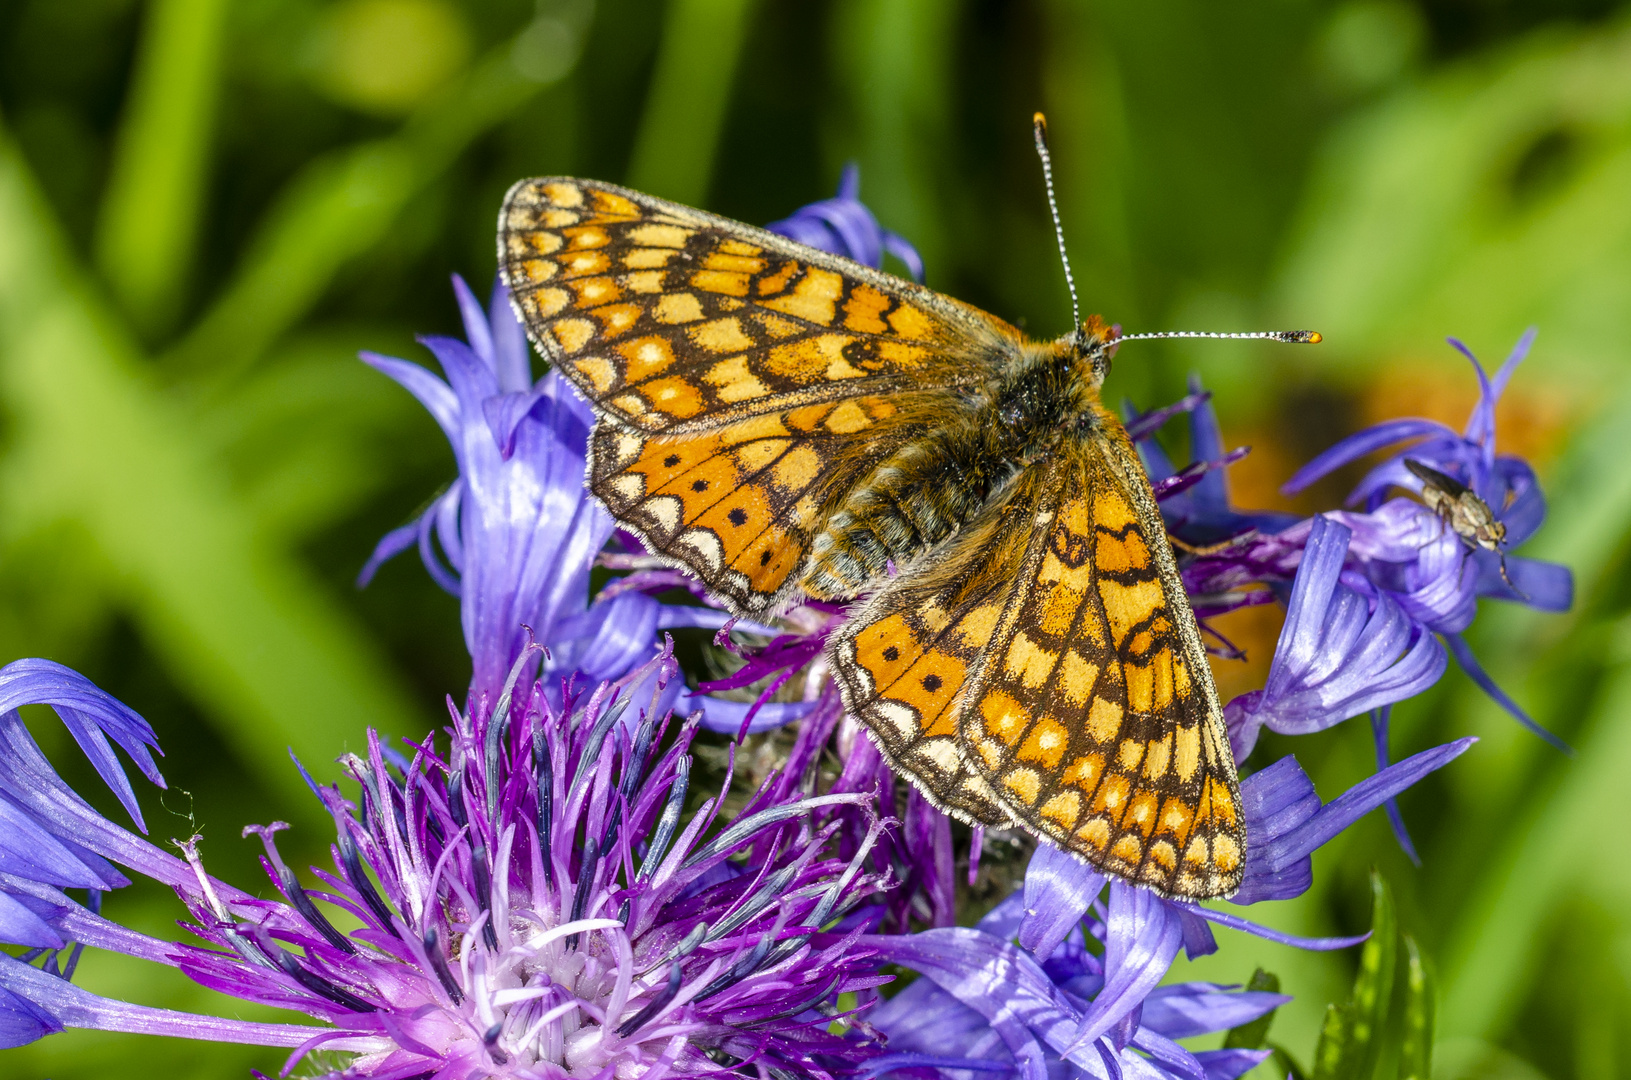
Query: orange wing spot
<point>776,282</point>
<point>1187,752</point>
<point>616,319</point>
<point>1129,754</point>
<point>1164,855</point>
<point>721,336</point>
<point>559,219</point>
<point>807,360</point>
<point>1140,689</point>
<point>739,247</point>
<point>1161,669</point>
<point>598,370</point>
<point>721,260</point>
<point>573,334</point>
<point>1027,662</point>
<point>608,203</point>
<point>1084,772</point>
<point>536,242</point>
<point>661,462</point>
<point>721,281</point>
<point>901,355</point>
<point>1005,718</point>
<point>1142,812</point>
<point>645,281</point>
<point>863,308</point>
<point>1116,554</point>
<point>733,382</point>
<point>1197,852</point>
<point>676,397</point>
<point>677,308</point>
<point>585,263</point>
<point>1024,784</point>
<point>910,322</point>
<point>1141,643</point>
<point>1111,510</point>
<point>929,684</point>
<point>769,560</point>
<point>534,272</point>
<point>738,518</point>
<point>1104,720</point>
<point>755,454</point>
<point>564,195</point>
<point>647,258</point>
<point>1046,744</point>
<point>1128,849</point>
<point>1057,604</point>
<point>1223,806</point>
<point>698,485</point>
<point>1077,677</point>
<point>797,470</point>
<point>847,418</point>
<point>886,649</point>
<point>1225,853</point>
<point>1095,834</point>
<point>587,236</point>
<point>646,357</point>
<point>1180,678</point>
<point>1158,757</point>
<point>546,303</point>
<point>814,299</point>
<point>1111,797</point>
<point>1176,818</point>
<point>1064,808</point>
<point>975,628</point>
<point>633,404</point>
<point>1128,605</point>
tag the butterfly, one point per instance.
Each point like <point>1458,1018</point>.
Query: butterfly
<point>787,423</point>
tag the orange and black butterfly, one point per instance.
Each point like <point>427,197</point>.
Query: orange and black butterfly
<point>787,423</point>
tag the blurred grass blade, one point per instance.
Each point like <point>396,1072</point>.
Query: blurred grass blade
<point>1331,1056</point>
<point>337,208</point>
<point>1554,842</point>
<point>242,629</point>
<point>895,59</point>
<point>1373,986</point>
<point>678,139</point>
<point>155,194</point>
<point>1252,1035</point>
<point>1416,1048</point>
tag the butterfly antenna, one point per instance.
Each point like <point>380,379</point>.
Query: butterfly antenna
<point>1040,126</point>
<point>1294,337</point>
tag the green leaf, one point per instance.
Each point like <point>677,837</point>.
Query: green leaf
<point>675,147</point>
<point>1373,986</point>
<point>1252,1035</point>
<point>1331,1056</point>
<point>1416,1050</point>
<point>155,195</point>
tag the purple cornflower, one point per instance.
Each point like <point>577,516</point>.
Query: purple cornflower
<point>845,226</point>
<point>1080,991</point>
<point>544,907</point>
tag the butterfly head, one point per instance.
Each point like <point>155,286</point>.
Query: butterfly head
<point>1093,346</point>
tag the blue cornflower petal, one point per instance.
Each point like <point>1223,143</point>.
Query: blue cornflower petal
<point>1286,822</point>
<point>1141,942</point>
<point>1340,653</point>
<point>845,226</point>
<point>1362,444</point>
<point>1059,890</point>
<point>1182,1010</point>
<point>92,715</point>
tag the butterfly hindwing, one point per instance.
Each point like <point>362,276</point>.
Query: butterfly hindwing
<point>670,319</point>
<point>738,504</point>
<point>1093,714</point>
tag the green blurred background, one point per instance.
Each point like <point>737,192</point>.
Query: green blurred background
<point>208,206</point>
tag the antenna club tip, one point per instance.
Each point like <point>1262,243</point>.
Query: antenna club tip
<point>1039,124</point>
<point>1305,337</point>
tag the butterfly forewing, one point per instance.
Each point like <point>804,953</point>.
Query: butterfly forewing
<point>670,319</point>
<point>1092,713</point>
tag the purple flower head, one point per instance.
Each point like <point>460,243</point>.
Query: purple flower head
<point>1063,977</point>
<point>544,906</point>
<point>519,532</point>
<point>845,226</point>
<point>1506,483</point>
